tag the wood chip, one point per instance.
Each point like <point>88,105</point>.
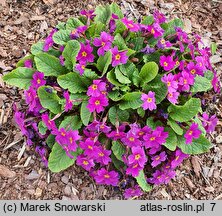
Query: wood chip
<point>21,152</point>
<point>189,183</point>
<point>196,165</point>
<point>6,172</point>
<point>37,18</point>
<point>209,189</point>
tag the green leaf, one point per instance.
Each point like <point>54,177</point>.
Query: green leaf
<point>120,27</point>
<point>119,42</point>
<point>138,43</point>
<point>116,114</point>
<point>148,72</point>
<point>21,62</point>
<point>49,65</point>
<point>61,37</point>
<point>117,163</point>
<point>185,112</point>
<point>175,126</point>
<point>170,27</point>
<point>103,14</point>
<point>120,77</point>
<point>50,141</point>
<point>71,122</point>
<point>148,20</point>
<point>37,48</point>
<point>131,100</point>
<point>58,160</point>
<point>198,146</point>
<point>115,95</point>
<point>49,99</point>
<point>73,23</point>
<point>42,128</point>
<point>79,97</point>
<point>213,47</point>
<point>152,57</point>
<point>96,29</point>
<point>128,69</point>
<point>141,112</point>
<point>153,124</point>
<point>118,150</point>
<point>200,125</point>
<point>171,140</point>
<point>112,78</point>
<point>142,182</point>
<point>70,52</point>
<point>157,86</point>
<point>61,26</point>
<point>84,113</point>
<point>73,82</point>
<point>104,62</point>
<point>209,75</point>
<point>20,77</point>
<point>201,84</point>
<point>115,9</point>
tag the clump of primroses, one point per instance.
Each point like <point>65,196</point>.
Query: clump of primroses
<point>120,98</point>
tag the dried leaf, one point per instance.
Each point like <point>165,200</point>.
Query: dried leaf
<point>6,172</point>
<point>196,165</point>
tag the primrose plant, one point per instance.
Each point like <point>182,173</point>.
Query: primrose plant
<point>120,98</point>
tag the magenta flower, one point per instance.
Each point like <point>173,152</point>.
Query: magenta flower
<point>185,81</point>
<point>156,30</point>
<point>81,67</point>
<point>89,148</point>
<point>149,101</point>
<point>148,50</point>
<point>192,69</point>
<point>192,133</point>
<point>97,103</point>
<point>133,27</point>
<point>200,63</point>
<point>167,62</point>
<point>131,139</point>
<point>209,123</point>
<point>157,178</point>
<point>42,152</point>
<point>159,17</point>
<point>112,23</point>
<point>49,123</point>
<point>132,192</point>
<point>116,134</point>
<point>179,157</point>
<point>103,156</point>
<point>105,177</point>
<point>85,53</point>
<point>19,118</point>
<point>169,174</point>
<point>84,162</point>
<point>104,43</point>
<point>216,84</point>
<point>157,159</point>
<point>68,104</point>
<point>118,57</point>
<point>62,60</point>
<point>28,63</point>
<point>72,137</point>
<point>173,97</point>
<point>78,32</point>
<point>38,80</point>
<point>162,44</point>
<point>88,14</point>
<point>96,88</point>
<point>49,41</point>
<point>137,156</point>
<point>133,169</point>
<point>170,81</point>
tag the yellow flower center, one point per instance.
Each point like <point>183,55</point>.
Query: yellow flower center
<point>94,87</point>
<point>85,162</point>
<point>177,157</point>
<point>149,100</point>
<point>83,67</point>
<point>141,133</point>
<point>101,154</point>
<point>90,147</point>
<point>131,25</point>
<point>185,81</point>
<point>193,71</point>
<point>131,139</point>
<point>162,41</point>
<point>38,81</point>
<point>137,156</point>
<point>84,54</point>
<point>170,95</point>
<point>97,103</point>
<point>117,57</point>
<point>70,139</point>
<point>107,176</point>
<point>157,158</point>
<point>103,44</point>
<point>165,64</point>
<point>152,31</point>
<point>152,138</point>
<point>168,83</point>
<point>191,132</point>
<point>63,134</point>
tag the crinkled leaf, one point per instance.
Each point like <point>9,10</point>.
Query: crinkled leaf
<point>131,100</point>
<point>120,77</point>
<point>186,112</point>
<point>153,124</point>
<point>96,29</point>
<point>58,160</point>
<point>50,141</point>
<point>148,72</point>
<point>213,48</point>
<point>21,62</point>
<point>142,182</point>
<point>71,122</point>
<point>116,114</point>
<point>104,62</point>
<point>141,112</point>
<point>61,37</point>
<point>84,113</point>
<point>171,140</point>
<point>49,99</point>
<point>177,129</point>
<point>49,65</point>
<point>170,26</point>
<point>152,57</point>
<point>118,150</point>
<point>116,10</point>
<point>103,14</point>
<point>73,23</point>
<point>148,20</point>
<point>115,95</point>
<point>42,128</point>
<point>138,43</point>
<point>20,77</point>
<point>73,82</point>
<point>112,78</point>
<point>201,84</point>
<point>117,163</point>
<point>70,52</point>
<point>198,146</point>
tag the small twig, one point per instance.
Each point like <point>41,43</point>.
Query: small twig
<point>11,144</point>
<point>21,151</point>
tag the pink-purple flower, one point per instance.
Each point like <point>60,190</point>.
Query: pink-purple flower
<point>173,97</point>
<point>149,101</point>
<point>157,159</point>
<point>170,81</point>
<point>159,17</point>
<point>156,30</point>
<point>209,122</point>
<point>85,162</point>
<point>81,67</point>
<point>118,57</point>
<point>68,102</point>
<point>179,156</point>
<point>85,53</point>
<point>97,103</point>
<point>185,81</point>
<point>167,62</point>
<point>104,42</point>
<point>133,27</point>
<point>192,133</point>
<point>96,89</point>
<point>137,156</point>
<point>132,192</point>
<point>104,176</point>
